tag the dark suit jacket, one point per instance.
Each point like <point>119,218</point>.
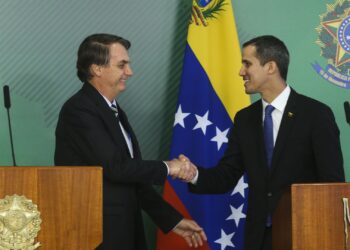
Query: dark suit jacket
<point>307,149</point>
<point>87,133</point>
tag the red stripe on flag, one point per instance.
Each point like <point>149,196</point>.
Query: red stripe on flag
<point>172,241</point>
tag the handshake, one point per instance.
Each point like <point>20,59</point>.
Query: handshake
<point>182,168</point>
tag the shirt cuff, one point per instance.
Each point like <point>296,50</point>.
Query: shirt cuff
<point>167,167</point>
<point>195,178</point>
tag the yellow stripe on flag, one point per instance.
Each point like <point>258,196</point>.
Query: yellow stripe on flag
<point>216,46</point>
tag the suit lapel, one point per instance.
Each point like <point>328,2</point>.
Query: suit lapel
<point>128,128</point>
<point>256,131</point>
<point>107,116</point>
<point>287,123</point>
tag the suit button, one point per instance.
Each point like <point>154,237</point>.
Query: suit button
<point>269,194</point>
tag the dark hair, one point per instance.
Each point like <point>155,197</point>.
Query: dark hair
<point>95,50</point>
<point>270,48</point>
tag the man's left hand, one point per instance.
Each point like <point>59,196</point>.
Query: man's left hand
<point>191,232</point>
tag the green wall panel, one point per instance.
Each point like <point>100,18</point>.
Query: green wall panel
<point>39,40</point>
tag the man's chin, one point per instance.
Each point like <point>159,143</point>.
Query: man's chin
<point>248,91</point>
<point>121,88</point>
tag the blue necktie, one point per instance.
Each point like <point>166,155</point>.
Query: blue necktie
<point>268,133</point>
<point>268,138</point>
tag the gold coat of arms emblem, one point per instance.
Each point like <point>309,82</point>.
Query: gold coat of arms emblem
<point>19,223</point>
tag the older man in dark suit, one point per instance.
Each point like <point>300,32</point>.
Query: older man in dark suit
<point>283,138</point>
<point>93,130</point>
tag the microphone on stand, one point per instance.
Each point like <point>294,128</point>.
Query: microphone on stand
<point>347,112</point>
<point>7,103</point>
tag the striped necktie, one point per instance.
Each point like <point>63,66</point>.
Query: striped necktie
<point>115,110</point>
<point>126,135</point>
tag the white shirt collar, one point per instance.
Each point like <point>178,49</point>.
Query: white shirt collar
<point>108,102</point>
<point>280,101</point>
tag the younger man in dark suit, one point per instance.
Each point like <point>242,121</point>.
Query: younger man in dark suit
<point>283,138</point>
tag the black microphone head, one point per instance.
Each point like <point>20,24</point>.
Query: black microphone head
<point>7,100</point>
<point>347,111</point>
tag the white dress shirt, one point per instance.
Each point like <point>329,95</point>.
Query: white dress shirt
<point>279,103</point>
<point>125,133</point>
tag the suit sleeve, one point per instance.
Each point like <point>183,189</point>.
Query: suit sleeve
<point>82,138</point>
<point>223,177</point>
<point>326,147</point>
<point>161,212</point>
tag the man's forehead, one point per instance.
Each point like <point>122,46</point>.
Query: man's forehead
<point>249,51</point>
<point>117,51</point>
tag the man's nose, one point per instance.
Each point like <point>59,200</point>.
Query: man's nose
<point>241,71</point>
<point>128,71</point>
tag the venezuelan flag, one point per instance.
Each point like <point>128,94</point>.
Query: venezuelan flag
<point>211,92</point>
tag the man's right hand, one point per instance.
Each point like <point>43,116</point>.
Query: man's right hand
<point>181,169</point>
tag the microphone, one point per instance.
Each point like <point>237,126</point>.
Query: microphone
<point>7,100</point>
<point>7,103</point>
<point>347,111</point>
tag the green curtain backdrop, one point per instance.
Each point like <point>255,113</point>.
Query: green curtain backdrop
<point>39,40</point>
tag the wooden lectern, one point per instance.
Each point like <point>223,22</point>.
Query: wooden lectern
<point>69,200</point>
<point>310,217</point>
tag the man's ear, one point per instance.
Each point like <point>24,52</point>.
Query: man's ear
<point>95,70</point>
<point>272,67</point>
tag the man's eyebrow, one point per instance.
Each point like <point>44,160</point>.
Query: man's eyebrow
<point>124,61</point>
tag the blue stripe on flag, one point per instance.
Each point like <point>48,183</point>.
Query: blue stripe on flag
<point>197,97</point>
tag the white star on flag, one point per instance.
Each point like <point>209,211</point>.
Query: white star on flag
<point>220,138</point>
<point>203,122</point>
<point>225,240</point>
<point>240,187</point>
<point>180,116</point>
<point>236,214</point>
